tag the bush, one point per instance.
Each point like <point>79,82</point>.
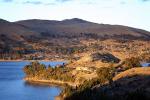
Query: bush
<point>88,84</point>
<point>105,74</point>
<point>83,92</point>
<point>132,62</point>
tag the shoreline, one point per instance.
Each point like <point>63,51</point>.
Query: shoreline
<point>50,82</point>
<point>32,60</point>
<point>57,83</point>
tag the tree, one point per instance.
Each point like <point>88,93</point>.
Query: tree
<point>105,74</point>
<point>132,62</point>
<point>34,68</point>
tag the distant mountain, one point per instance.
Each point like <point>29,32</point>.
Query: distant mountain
<point>36,30</point>
<point>14,35</point>
<point>76,27</point>
<point>14,31</point>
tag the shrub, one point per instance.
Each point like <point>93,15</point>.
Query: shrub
<point>132,62</point>
<point>105,74</point>
<point>88,84</point>
<point>83,92</point>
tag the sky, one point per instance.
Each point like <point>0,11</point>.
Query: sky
<point>134,13</point>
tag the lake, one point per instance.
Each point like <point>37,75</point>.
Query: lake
<point>145,64</point>
<point>13,87</point>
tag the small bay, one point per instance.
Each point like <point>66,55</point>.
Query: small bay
<point>13,87</point>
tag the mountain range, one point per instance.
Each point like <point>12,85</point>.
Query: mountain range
<point>12,33</point>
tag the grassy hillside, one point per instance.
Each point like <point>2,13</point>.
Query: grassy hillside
<point>69,39</point>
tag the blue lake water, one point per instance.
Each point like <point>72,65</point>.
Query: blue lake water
<point>12,86</point>
<point>145,64</point>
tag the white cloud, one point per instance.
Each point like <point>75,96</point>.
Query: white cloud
<point>133,13</point>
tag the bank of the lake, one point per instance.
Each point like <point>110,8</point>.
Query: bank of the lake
<point>21,60</point>
<point>50,82</point>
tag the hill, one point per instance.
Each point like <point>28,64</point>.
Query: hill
<point>53,40</point>
<point>15,31</point>
<point>12,34</point>
<point>80,28</point>
<point>133,83</point>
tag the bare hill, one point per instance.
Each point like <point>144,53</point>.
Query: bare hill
<point>14,31</point>
<point>78,27</point>
<point>12,35</point>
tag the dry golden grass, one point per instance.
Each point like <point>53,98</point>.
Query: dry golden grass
<point>88,60</point>
<point>133,72</point>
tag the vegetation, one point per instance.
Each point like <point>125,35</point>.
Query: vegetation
<point>11,55</point>
<point>105,74</point>
<point>145,56</point>
<point>70,50</point>
<point>84,91</point>
<point>99,94</point>
<point>97,89</point>
<point>78,92</point>
<point>132,62</point>
<point>93,89</point>
<point>34,69</point>
<point>40,71</point>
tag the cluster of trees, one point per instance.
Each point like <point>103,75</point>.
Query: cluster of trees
<point>84,91</point>
<point>70,50</point>
<point>11,56</point>
<point>105,74</point>
<point>131,63</point>
<point>59,73</point>
<point>146,56</point>
<point>34,69</point>
<point>73,35</point>
<point>40,71</point>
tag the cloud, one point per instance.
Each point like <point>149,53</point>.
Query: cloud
<point>38,3</point>
<point>46,4</point>
<point>86,2</point>
<point>145,0</point>
<point>7,0</point>
<point>63,1</point>
<point>33,2</point>
<point>122,2</point>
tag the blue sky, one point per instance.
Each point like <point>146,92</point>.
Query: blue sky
<point>134,13</point>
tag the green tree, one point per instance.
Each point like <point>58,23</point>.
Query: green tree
<point>105,74</point>
<point>132,62</point>
<point>34,68</point>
